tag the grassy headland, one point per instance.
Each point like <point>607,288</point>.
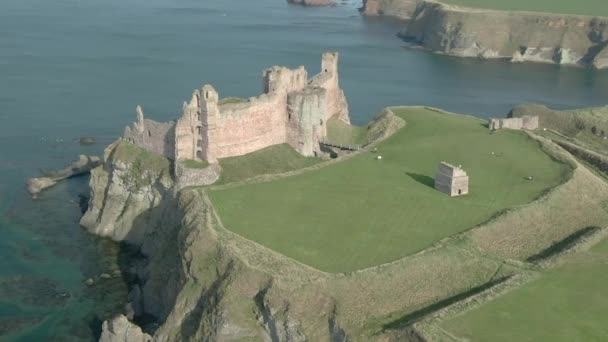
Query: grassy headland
<point>363,212</point>
<point>579,7</point>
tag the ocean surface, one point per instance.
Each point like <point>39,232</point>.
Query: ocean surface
<point>72,68</point>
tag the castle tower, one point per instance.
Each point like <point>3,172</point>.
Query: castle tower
<point>209,112</point>
<point>185,129</point>
<point>329,63</point>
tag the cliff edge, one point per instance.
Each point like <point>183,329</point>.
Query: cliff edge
<point>491,34</point>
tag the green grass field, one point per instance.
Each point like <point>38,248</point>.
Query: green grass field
<point>579,7</point>
<point>271,160</point>
<point>363,212</point>
<point>569,303</point>
<point>341,133</point>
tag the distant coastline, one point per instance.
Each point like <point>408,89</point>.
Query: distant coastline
<point>517,36</point>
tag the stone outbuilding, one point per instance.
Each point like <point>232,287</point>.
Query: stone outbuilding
<point>526,122</point>
<point>451,180</point>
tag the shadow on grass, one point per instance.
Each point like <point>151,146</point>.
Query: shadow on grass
<point>422,179</point>
<point>561,246</point>
<point>418,315</point>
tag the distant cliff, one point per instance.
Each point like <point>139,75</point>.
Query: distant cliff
<point>489,34</point>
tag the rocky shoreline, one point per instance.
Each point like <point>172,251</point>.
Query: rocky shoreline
<point>488,34</point>
<point>193,279</point>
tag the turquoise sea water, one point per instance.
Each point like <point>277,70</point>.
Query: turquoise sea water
<point>71,68</point>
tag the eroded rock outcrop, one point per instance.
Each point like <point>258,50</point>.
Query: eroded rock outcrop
<point>82,166</point>
<point>126,192</point>
<point>119,329</point>
<point>396,8</point>
<point>489,34</point>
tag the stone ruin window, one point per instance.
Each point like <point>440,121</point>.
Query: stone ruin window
<point>321,122</point>
<point>460,191</point>
<point>149,134</point>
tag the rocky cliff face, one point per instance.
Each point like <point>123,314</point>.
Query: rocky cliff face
<point>127,192</point>
<point>516,36</point>
<point>396,8</point>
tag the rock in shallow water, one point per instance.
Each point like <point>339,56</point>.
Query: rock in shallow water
<point>83,165</point>
<point>87,141</point>
<point>119,329</point>
<point>313,3</point>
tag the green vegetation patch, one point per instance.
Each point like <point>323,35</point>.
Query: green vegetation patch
<point>195,164</point>
<point>585,127</point>
<point>129,153</point>
<point>144,166</point>
<point>363,212</point>
<point>231,100</point>
<point>578,7</point>
<point>341,133</point>
<point>271,160</point>
<point>569,303</point>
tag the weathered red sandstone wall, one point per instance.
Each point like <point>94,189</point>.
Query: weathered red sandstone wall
<point>329,80</point>
<point>247,127</point>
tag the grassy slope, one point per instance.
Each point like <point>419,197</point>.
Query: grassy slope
<point>341,133</point>
<point>363,212</point>
<point>569,303</point>
<point>271,160</point>
<point>579,7</point>
<point>577,124</point>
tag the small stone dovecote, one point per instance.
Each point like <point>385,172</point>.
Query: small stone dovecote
<point>451,180</point>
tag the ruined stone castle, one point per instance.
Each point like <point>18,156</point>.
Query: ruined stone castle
<point>292,110</point>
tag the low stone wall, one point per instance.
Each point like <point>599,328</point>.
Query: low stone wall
<point>595,159</point>
<point>196,177</point>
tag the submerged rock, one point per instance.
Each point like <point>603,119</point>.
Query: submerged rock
<point>82,166</point>
<point>87,141</point>
<point>119,329</point>
<point>313,3</point>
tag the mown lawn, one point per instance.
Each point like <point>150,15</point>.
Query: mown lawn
<point>271,160</point>
<point>579,7</point>
<point>364,212</point>
<point>567,304</point>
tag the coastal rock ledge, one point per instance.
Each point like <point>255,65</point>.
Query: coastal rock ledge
<point>490,34</point>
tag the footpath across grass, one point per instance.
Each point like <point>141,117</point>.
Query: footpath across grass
<point>569,303</point>
<point>577,7</point>
<point>363,212</point>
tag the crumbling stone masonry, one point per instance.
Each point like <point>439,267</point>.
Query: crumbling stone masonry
<point>451,180</point>
<point>291,110</point>
<point>527,122</point>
